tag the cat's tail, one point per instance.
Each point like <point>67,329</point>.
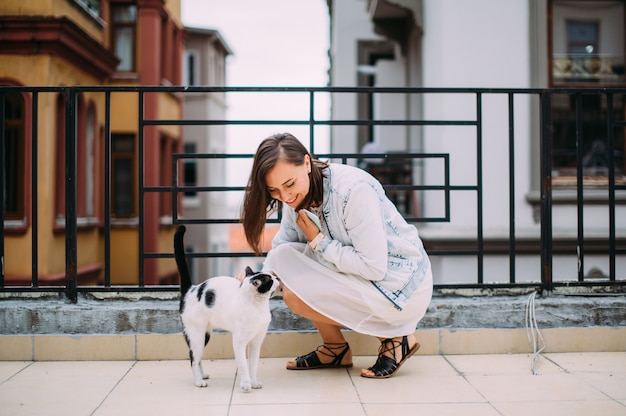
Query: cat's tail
<point>181,263</point>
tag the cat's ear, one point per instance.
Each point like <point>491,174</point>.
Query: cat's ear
<point>249,271</point>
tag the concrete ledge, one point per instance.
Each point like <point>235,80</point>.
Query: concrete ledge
<point>149,347</point>
<point>146,326</point>
<point>121,314</point>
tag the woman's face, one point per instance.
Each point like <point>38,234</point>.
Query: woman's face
<point>289,183</point>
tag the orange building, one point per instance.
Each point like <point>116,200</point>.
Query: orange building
<point>65,43</point>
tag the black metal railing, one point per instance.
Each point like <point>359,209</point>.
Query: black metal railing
<point>481,246</point>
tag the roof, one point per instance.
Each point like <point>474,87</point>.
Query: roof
<point>210,33</point>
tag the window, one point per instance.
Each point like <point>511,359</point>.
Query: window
<point>124,17</point>
<point>190,65</point>
<point>93,6</point>
<point>85,165</point>
<point>587,42</point>
<point>190,170</point>
<point>14,156</point>
<point>59,204</point>
<point>587,49</point>
<point>89,168</point>
<point>168,147</point>
<point>123,173</point>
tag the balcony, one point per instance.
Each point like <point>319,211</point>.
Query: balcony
<point>587,68</point>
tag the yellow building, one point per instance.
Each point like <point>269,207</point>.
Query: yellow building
<point>67,43</point>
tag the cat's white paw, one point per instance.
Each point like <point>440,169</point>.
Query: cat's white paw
<point>257,385</point>
<point>201,383</point>
<point>246,385</point>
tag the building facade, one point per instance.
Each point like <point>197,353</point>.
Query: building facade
<point>89,43</point>
<point>204,63</point>
<point>487,44</point>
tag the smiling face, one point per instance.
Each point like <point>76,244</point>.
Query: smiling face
<point>289,183</point>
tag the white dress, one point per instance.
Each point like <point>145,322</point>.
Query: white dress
<point>347,299</point>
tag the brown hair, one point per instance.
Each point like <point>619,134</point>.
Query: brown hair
<point>257,202</point>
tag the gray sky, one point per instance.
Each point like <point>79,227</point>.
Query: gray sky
<point>274,43</point>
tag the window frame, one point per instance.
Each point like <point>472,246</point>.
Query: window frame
<point>18,170</point>
<point>194,67</point>
<point>132,25</point>
<point>564,150</point>
<point>130,155</point>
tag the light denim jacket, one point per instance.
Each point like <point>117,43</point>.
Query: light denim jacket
<point>364,235</point>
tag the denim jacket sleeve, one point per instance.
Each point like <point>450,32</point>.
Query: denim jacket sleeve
<point>364,253</point>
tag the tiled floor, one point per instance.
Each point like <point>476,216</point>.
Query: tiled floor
<point>567,384</point>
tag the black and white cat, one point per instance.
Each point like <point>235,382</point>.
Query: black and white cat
<point>224,302</point>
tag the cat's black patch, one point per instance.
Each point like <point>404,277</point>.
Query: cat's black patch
<point>201,290</point>
<point>262,282</point>
<point>181,307</point>
<point>189,345</point>
<point>209,298</point>
<point>207,337</point>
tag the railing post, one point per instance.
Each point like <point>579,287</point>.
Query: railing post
<point>545,160</point>
<point>35,189</point>
<point>2,188</point>
<point>71,277</point>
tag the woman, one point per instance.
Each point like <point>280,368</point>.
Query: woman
<point>365,268</point>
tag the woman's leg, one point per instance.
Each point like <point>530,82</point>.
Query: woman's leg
<point>329,330</point>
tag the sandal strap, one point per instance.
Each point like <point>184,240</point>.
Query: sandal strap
<point>386,365</point>
<point>308,360</point>
<point>312,359</point>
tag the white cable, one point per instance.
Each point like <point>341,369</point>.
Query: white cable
<point>532,331</point>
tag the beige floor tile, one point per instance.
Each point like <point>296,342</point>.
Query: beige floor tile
<point>569,408</point>
<point>171,407</point>
<point>281,386</point>
<point>9,369</point>
<point>614,362</point>
<point>439,409</point>
<point>499,364</point>
<point>308,409</point>
<point>165,382</point>
<point>605,371</point>
<point>411,385</point>
<point>435,365</point>
<point>60,388</point>
<point>543,387</point>
<point>613,385</point>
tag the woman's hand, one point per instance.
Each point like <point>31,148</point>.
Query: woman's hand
<point>307,226</point>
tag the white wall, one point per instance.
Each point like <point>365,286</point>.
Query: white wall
<point>353,20</point>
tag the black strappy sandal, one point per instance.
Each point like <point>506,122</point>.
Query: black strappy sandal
<point>385,366</point>
<point>311,360</point>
